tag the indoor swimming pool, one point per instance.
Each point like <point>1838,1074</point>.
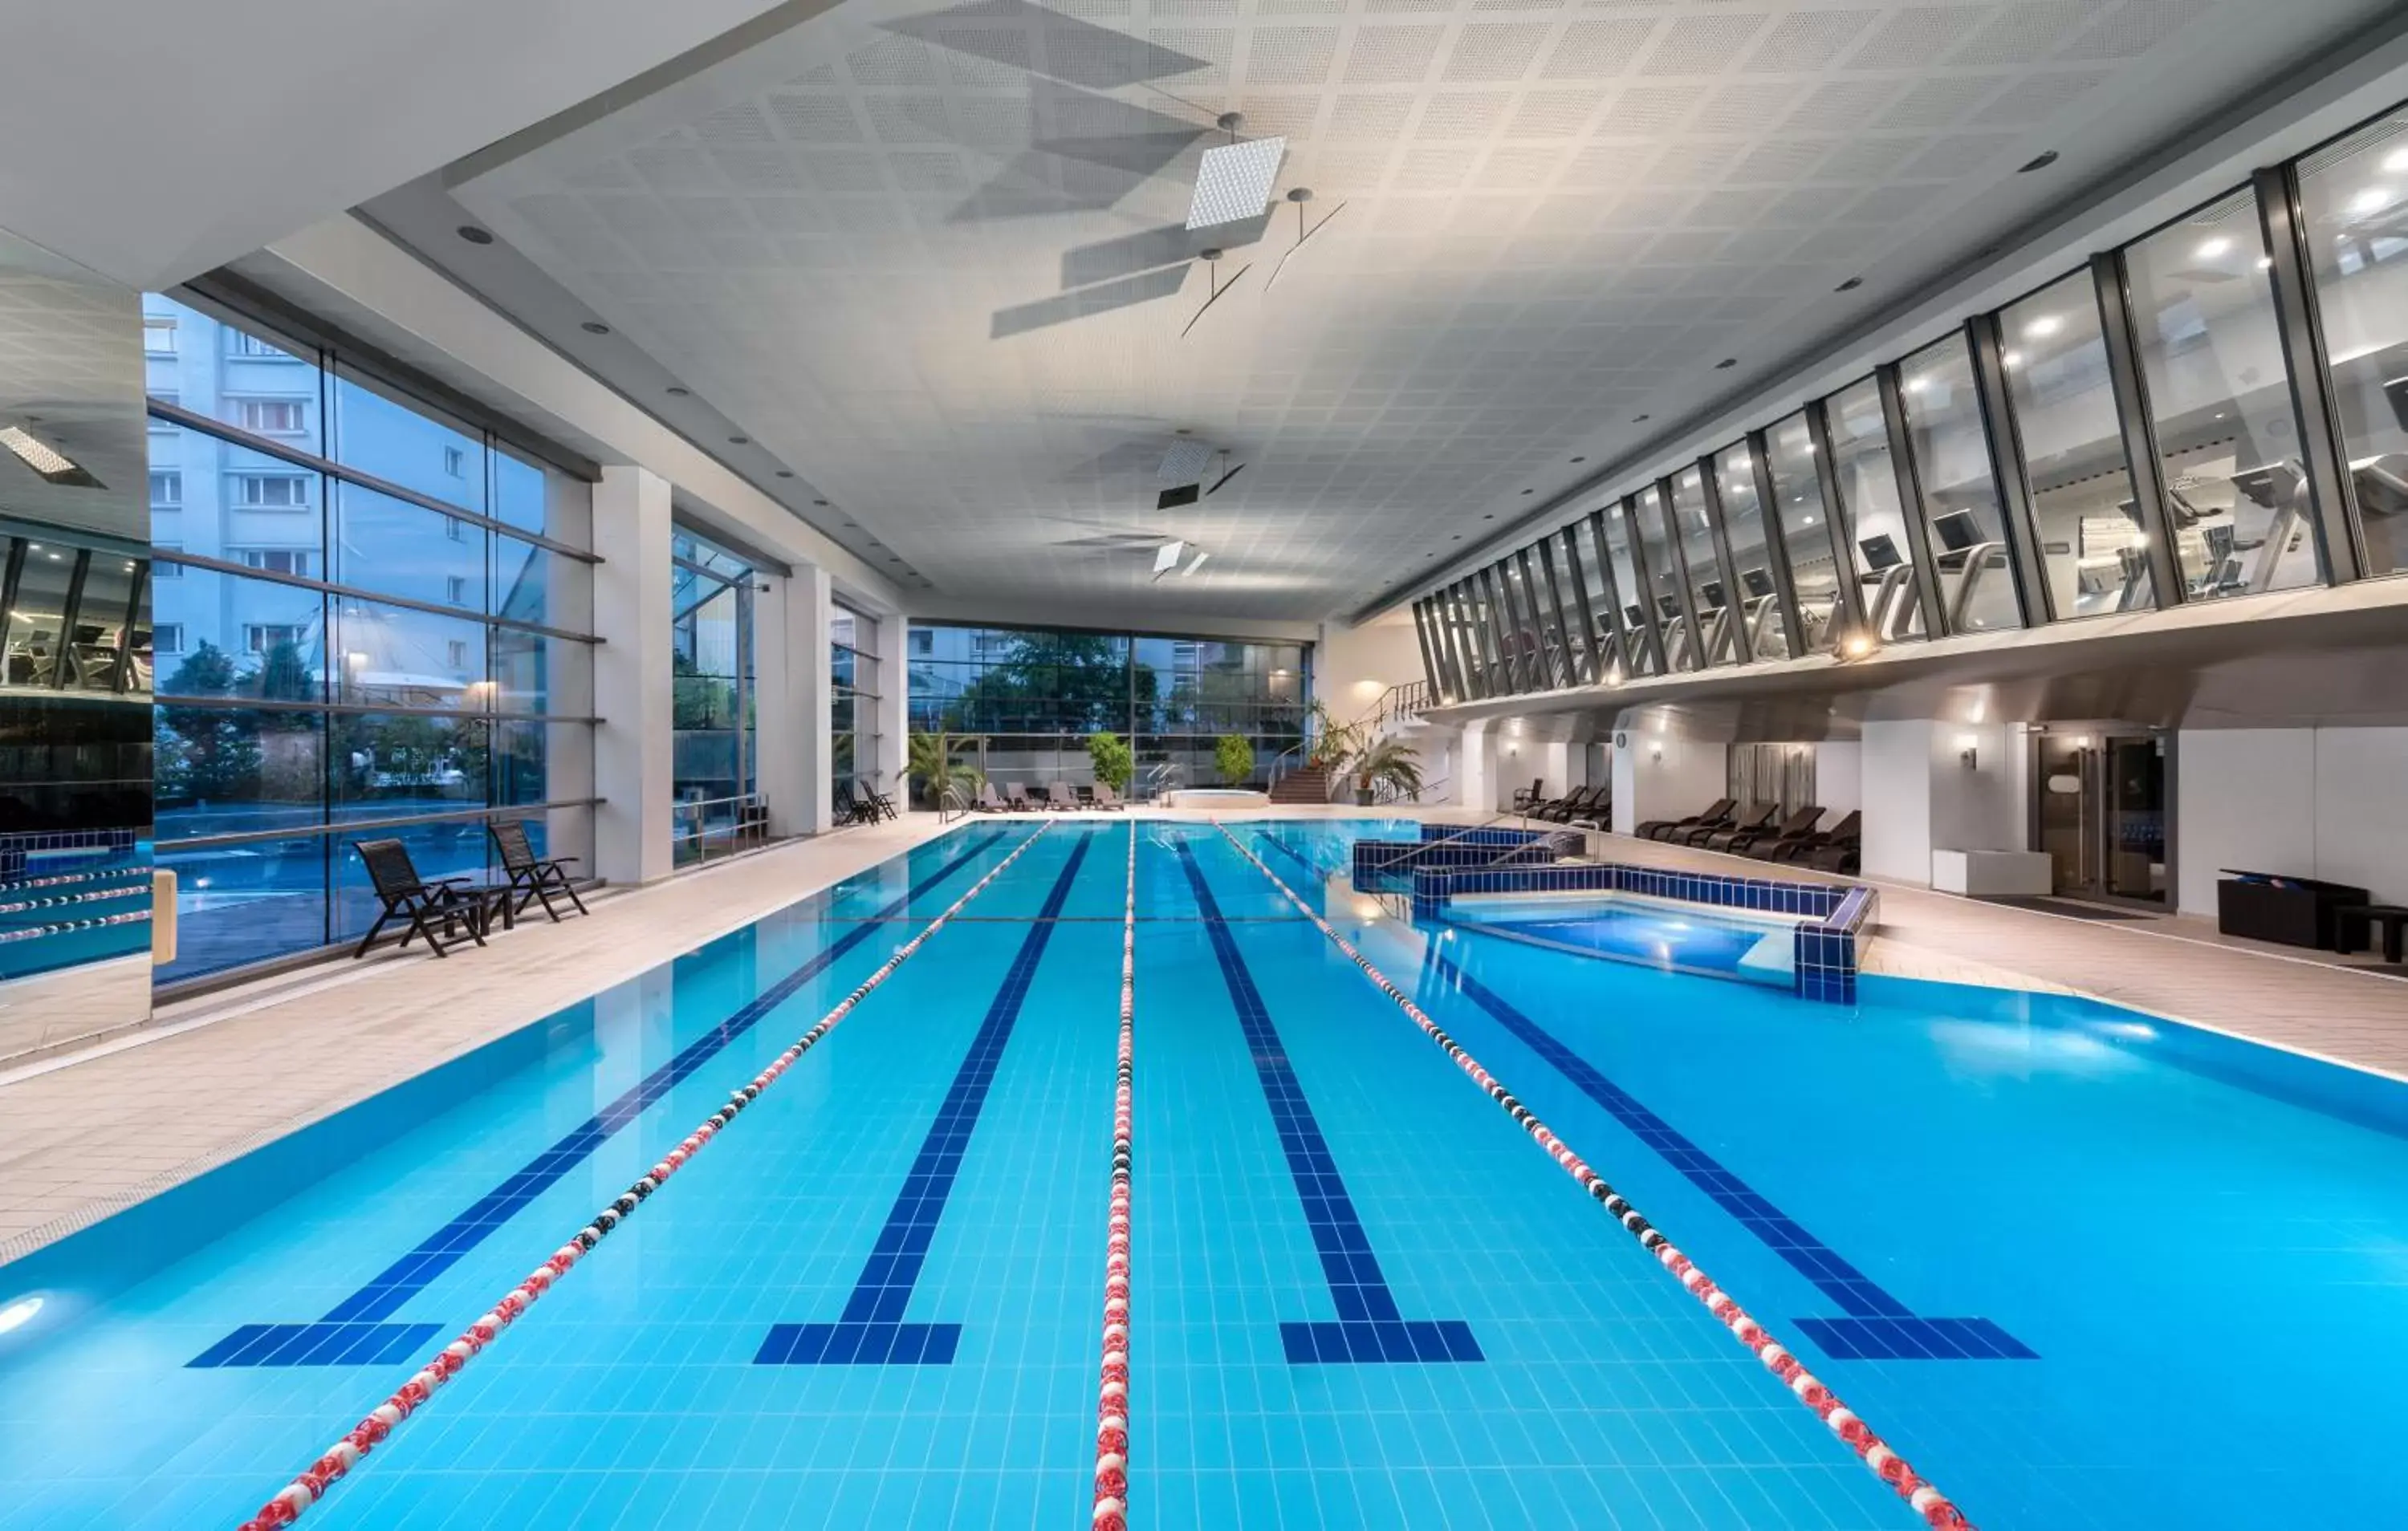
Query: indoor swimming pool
<point>2079,1267</point>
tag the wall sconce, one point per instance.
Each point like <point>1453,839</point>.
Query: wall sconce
<point>1968,751</point>
<point>1857,645</point>
<point>1656,749</point>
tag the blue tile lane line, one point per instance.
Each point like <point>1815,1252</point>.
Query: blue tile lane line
<point>1369,1327</point>
<point>352,1332</point>
<point>1878,1326</point>
<point>1292,853</point>
<point>871,1330</point>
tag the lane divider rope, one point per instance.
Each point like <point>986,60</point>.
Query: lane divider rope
<point>1928,1501</point>
<point>363,1438</point>
<point>1111,1392</point>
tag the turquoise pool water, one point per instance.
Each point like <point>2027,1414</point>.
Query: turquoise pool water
<point>2082,1268</point>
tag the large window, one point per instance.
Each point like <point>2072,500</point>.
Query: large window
<point>1867,473</point>
<point>1710,598</point>
<point>333,665</point>
<point>1760,626</point>
<point>1031,697</point>
<point>715,767</point>
<point>1961,513</point>
<point>857,753</point>
<point>2354,197</point>
<point>2211,358</point>
<point>2094,545</point>
<point>1806,531</point>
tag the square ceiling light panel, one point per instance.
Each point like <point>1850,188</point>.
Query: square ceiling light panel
<point>1235,182</point>
<point>1186,462</point>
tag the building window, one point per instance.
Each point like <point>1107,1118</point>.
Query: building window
<point>296,561</point>
<point>167,637</point>
<point>271,492</point>
<point>241,343</point>
<point>166,490</point>
<point>455,528</point>
<point>455,462</point>
<point>455,589</point>
<point>272,417</point>
<point>259,637</point>
<point>457,652</point>
<point>158,336</point>
<point>923,642</point>
<point>160,567</point>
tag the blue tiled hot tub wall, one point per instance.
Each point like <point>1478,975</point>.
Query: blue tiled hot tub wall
<point>1827,944</point>
<point>1375,861</point>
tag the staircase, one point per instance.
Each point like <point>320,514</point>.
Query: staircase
<point>1305,784</point>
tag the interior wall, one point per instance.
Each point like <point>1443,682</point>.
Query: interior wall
<point>1920,794</point>
<point>1664,775</point>
<point>2307,802</point>
<point>1839,779</point>
<point>75,739</point>
<point>1351,666</point>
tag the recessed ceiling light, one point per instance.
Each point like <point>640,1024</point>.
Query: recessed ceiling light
<point>474,234</point>
<point>1640,420</point>
<point>1580,459</point>
<point>595,326</point>
<point>1850,285</point>
<point>677,392</point>
<point>824,503</point>
<point>1529,492</point>
<point>1726,364</point>
<point>785,473</point>
<point>739,440</point>
<point>2041,161</point>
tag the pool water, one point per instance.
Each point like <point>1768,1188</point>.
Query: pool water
<point>2081,1268</point>
<point>1629,927</point>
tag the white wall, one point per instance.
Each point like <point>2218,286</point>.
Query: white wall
<point>1352,666</point>
<point>2310,802</point>
<point>1664,776</point>
<point>1839,779</point>
<point>1919,796</point>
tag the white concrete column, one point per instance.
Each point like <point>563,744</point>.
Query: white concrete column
<point>794,695</point>
<point>632,756</point>
<point>893,714</point>
<point>568,671</point>
<point>1921,794</point>
<point>1472,788</point>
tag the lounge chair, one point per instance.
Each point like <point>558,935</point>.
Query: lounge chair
<point>1735,841</point>
<point>1795,849</point>
<point>1798,827</point>
<point>1845,857</point>
<point>1059,797</point>
<point>533,878</point>
<point>1750,818</point>
<point>1107,798</point>
<point>1580,803</point>
<point>1015,797</point>
<point>1662,829</point>
<point>987,801</point>
<point>447,902</point>
<point>1524,801</point>
<point>877,804</point>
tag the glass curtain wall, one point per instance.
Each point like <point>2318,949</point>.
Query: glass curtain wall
<point>1761,627</point>
<point>2354,202</point>
<point>1806,531</point>
<point>2191,361</point>
<point>372,621</point>
<point>1031,697</point>
<point>2094,545</point>
<point>1961,514</point>
<point>714,761</point>
<point>2220,403</point>
<point>856,754</point>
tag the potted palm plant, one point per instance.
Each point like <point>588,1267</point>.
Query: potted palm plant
<point>1390,762</point>
<point>934,768</point>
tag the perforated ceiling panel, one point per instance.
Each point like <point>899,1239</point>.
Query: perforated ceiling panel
<point>933,257</point>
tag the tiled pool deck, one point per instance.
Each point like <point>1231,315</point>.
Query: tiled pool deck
<point>299,1048</point>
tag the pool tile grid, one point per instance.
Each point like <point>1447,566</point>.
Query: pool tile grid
<point>288,1503</point>
<point>1112,1487</point>
<point>1925,1500</point>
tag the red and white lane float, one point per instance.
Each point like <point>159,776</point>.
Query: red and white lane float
<point>1112,1392</point>
<point>1892,1469</point>
<point>382,1421</point>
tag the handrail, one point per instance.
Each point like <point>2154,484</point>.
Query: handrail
<point>1446,839</point>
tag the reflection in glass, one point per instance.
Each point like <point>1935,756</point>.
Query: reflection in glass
<point>1652,517</point>
<point>1762,630</point>
<point>1960,500</point>
<point>392,655</point>
<point>1867,474</point>
<point>243,637</point>
<point>233,770</point>
<point>396,547</point>
<point>2093,542</point>
<point>2355,199</point>
<point>1805,532</point>
<point>405,444</point>
<point>388,766</point>
<point>1577,580</point>
<point>1628,589</point>
<point>1716,620</point>
<point>237,904</point>
<point>2212,360</point>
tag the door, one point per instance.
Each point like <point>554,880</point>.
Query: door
<point>2103,813</point>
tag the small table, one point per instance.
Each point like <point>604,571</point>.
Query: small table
<point>2351,919</point>
<point>492,900</point>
